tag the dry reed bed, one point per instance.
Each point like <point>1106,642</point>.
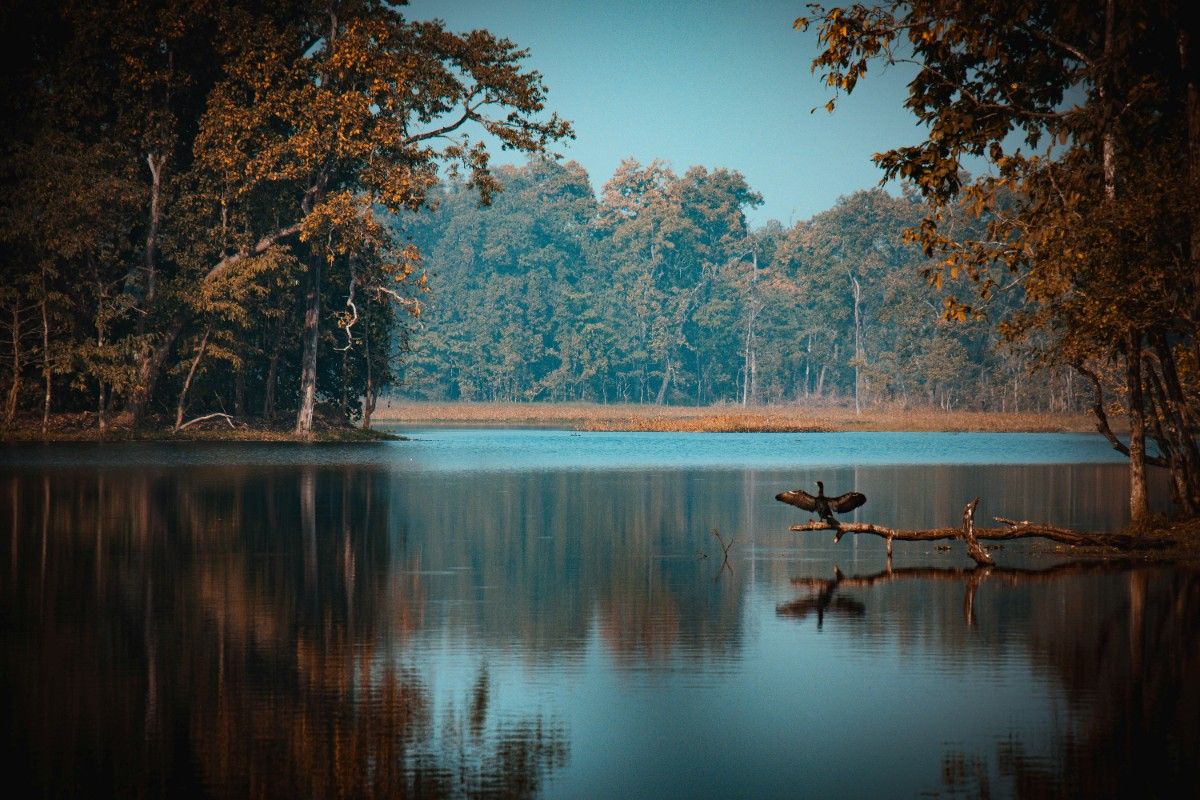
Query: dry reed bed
<point>783,419</point>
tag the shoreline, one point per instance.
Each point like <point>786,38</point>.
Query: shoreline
<point>247,434</point>
<point>398,415</point>
<point>723,419</point>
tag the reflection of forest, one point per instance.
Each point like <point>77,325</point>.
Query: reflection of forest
<point>267,630</point>
<point>236,632</point>
<point>541,558</point>
<point>1122,639</point>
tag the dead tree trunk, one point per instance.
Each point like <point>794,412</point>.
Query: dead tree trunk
<point>268,407</point>
<point>187,383</point>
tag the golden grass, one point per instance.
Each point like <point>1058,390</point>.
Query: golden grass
<point>81,428</point>
<point>723,418</point>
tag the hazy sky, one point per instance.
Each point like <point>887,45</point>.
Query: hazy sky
<point>720,83</point>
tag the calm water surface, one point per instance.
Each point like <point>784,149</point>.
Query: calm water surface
<point>542,613</point>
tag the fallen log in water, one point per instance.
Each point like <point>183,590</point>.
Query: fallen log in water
<point>1012,529</point>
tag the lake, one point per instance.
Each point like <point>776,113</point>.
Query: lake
<point>517,613</point>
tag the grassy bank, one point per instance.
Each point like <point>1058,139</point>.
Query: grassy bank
<point>574,416</point>
<point>82,428</point>
<point>783,419</point>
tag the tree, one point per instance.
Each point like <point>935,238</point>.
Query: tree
<point>344,110</point>
<point>218,167</point>
<point>1088,118</point>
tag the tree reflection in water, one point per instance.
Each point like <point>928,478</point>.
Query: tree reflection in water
<point>1128,667</point>
<point>237,633</point>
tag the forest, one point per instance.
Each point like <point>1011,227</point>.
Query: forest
<point>659,291</point>
<point>275,212</point>
<point>197,196</point>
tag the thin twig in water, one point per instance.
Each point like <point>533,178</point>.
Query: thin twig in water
<point>725,550</point>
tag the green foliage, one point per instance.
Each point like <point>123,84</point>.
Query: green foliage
<point>1088,115</point>
<point>178,172</point>
<point>548,294</point>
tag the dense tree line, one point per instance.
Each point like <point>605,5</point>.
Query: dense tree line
<point>195,192</point>
<point>659,291</point>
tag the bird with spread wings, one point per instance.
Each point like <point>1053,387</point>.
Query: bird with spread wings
<point>822,506</point>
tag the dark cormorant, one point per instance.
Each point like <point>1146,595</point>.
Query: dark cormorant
<point>823,506</point>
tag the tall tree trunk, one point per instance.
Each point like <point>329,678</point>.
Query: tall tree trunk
<point>308,361</point>
<point>150,368</point>
<point>156,163</point>
<point>46,371</point>
<point>102,407</point>
<point>1108,146</point>
<point>344,401</point>
<point>150,357</point>
<point>1138,504</point>
<point>748,365</point>
<point>239,388</point>
<point>662,387</point>
<point>181,406</point>
<point>1189,62</point>
<point>1179,425</point>
<point>10,407</point>
<point>101,330</point>
<point>268,407</point>
<point>372,395</point>
<point>858,353</point>
<point>1161,429</point>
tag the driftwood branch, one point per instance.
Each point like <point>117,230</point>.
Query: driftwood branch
<point>228,419</point>
<point>1012,529</point>
<point>725,549</point>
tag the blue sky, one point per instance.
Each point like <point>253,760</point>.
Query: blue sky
<point>712,82</point>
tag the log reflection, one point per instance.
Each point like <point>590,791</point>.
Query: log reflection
<point>822,593</point>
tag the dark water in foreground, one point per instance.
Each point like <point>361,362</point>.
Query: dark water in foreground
<point>498,613</point>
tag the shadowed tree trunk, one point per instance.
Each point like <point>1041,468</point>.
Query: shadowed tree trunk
<point>1138,503</point>
<point>308,361</point>
<point>150,368</point>
<point>14,389</point>
<point>239,387</point>
<point>372,395</point>
<point>151,357</point>
<point>46,370</point>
